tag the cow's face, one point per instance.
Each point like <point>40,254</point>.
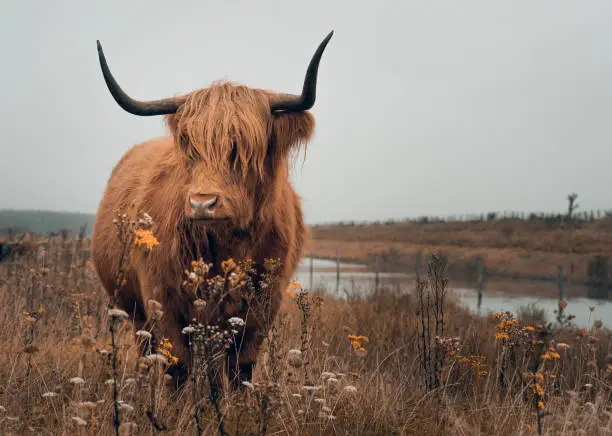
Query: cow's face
<point>235,149</point>
<point>223,134</point>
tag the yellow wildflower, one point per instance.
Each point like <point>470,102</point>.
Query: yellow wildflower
<point>228,265</point>
<point>359,338</point>
<point>165,348</point>
<point>538,389</point>
<point>501,336</point>
<point>145,238</point>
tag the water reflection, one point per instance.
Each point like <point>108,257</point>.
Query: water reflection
<point>356,280</point>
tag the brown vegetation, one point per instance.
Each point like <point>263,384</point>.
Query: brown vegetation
<point>510,248</point>
<point>328,367</point>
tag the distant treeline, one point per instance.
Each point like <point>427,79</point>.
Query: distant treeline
<point>44,221</point>
<point>549,218</point>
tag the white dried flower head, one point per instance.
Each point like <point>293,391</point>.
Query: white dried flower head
<point>110,381</point>
<point>100,401</point>
<point>192,276</point>
<point>326,375</point>
<point>199,303</point>
<point>77,381</point>
<point>319,400</point>
<point>350,389</point>
<point>79,421</point>
<point>296,395</point>
<point>118,314</point>
<point>144,334</point>
<point>103,351</point>
<point>248,384</point>
<point>309,388</point>
<point>326,409</point>
<point>156,358</point>
<point>236,321</point>
<point>300,412</point>
<point>188,330</point>
<point>49,395</point>
<point>130,381</point>
<point>562,346</point>
<point>2,409</point>
<point>294,358</point>
<point>325,344</point>
<point>126,407</point>
<point>332,380</point>
<point>87,405</point>
<point>588,385</point>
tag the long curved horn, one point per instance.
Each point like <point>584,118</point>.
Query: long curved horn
<point>298,103</point>
<point>143,108</point>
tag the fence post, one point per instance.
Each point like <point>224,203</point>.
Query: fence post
<point>311,272</point>
<point>560,285</point>
<point>337,271</point>
<point>480,278</point>
<point>376,278</point>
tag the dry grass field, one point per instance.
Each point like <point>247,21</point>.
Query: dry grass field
<point>407,362</point>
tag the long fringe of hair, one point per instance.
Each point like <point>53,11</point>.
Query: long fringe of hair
<point>224,123</point>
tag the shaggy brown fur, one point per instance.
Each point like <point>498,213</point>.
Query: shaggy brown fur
<point>223,139</point>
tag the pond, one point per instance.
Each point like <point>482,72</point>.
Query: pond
<point>498,296</point>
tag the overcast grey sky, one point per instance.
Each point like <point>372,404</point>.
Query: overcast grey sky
<point>423,107</point>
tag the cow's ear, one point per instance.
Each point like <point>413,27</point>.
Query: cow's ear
<point>171,122</point>
<point>180,139</point>
<point>292,129</point>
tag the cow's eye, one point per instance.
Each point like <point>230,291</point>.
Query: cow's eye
<point>234,156</point>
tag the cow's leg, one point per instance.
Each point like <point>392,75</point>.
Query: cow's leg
<point>259,316</point>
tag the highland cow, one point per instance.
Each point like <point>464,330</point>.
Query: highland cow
<point>216,187</point>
